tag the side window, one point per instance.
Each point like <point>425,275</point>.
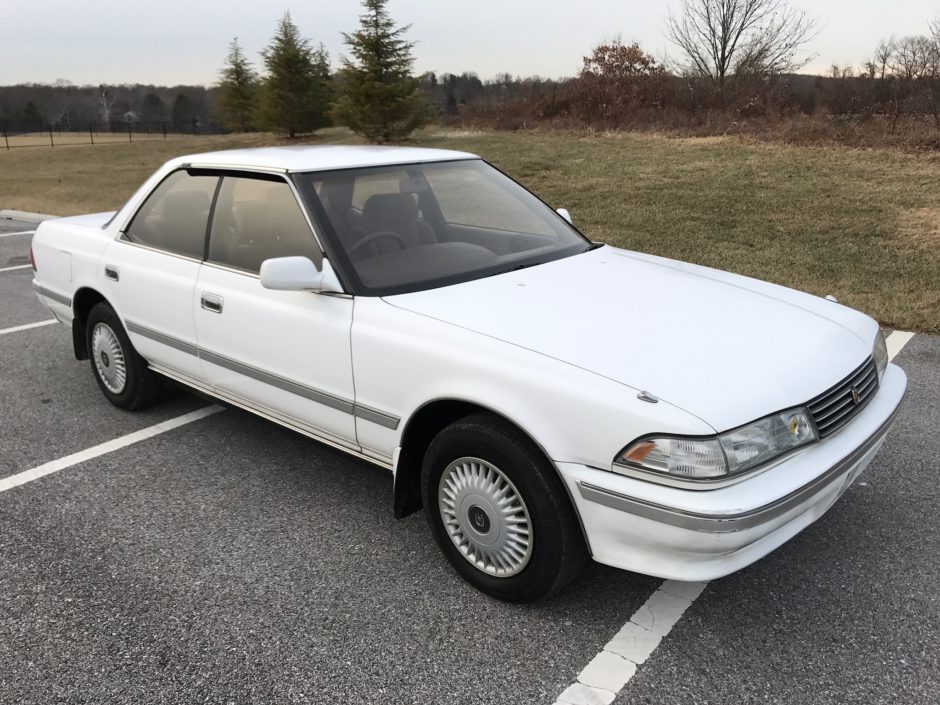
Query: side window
<point>256,219</point>
<point>174,217</point>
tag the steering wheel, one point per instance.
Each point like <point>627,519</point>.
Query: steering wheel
<point>373,237</point>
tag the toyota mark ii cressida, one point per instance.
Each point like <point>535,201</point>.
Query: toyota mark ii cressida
<point>544,398</point>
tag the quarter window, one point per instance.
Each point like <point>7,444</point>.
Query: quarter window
<point>175,215</point>
<point>255,219</point>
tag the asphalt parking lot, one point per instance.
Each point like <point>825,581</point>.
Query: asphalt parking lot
<point>232,561</point>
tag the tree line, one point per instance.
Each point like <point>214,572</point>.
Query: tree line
<point>736,66</point>
<point>64,105</point>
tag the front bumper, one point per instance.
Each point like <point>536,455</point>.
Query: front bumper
<point>705,534</point>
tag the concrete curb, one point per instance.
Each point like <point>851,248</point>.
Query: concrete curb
<point>26,217</point>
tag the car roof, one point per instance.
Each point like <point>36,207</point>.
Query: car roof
<point>319,157</point>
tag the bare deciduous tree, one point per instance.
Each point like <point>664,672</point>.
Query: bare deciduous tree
<point>914,67</point>
<point>911,58</point>
<point>724,37</point>
<point>106,99</point>
<point>883,53</point>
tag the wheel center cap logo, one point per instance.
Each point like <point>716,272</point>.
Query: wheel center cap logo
<point>478,519</point>
<point>104,359</point>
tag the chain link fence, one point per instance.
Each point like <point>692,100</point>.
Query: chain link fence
<point>17,135</point>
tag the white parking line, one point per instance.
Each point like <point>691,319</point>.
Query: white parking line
<point>608,672</point>
<point>21,478</point>
<point>19,232</point>
<point>27,326</point>
<point>19,266</point>
<point>896,342</point>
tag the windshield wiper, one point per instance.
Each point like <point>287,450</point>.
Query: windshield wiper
<point>516,268</point>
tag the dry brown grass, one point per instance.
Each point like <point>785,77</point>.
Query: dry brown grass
<point>82,178</point>
<point>861,224</point>
<point>921,227</point>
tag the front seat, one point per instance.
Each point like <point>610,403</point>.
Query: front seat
<point>398,213</point>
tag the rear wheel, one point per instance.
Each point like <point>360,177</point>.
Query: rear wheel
<point>499,511</point>
<point>121,373</point>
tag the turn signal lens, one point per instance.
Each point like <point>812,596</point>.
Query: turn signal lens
<point>680,457</point>
<point>880,353</point>
<point>638,453</point>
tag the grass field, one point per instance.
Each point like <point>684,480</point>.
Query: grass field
<point>863,225</point>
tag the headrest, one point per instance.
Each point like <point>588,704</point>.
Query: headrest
<point>384,210</point>
<point>337,193</point>
<point>189,202</point>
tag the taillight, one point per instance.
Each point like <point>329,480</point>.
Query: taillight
<point>32,260</point>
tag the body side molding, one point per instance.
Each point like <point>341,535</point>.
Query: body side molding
<point>347,406</point>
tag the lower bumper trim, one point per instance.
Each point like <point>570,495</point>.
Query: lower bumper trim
<point>58,298</point>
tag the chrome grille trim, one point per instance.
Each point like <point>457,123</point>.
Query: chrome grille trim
<point>835,407</point>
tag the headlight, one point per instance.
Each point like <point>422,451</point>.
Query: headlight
<point>729,454</point>
<point>880,353</point>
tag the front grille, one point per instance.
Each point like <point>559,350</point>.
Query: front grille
<point>834,408</point>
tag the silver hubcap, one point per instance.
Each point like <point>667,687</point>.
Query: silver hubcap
<point>485,517</point>
<point>109,358</point>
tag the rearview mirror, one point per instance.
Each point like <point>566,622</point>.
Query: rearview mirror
<point>298,274</point>
<point>563,212</point>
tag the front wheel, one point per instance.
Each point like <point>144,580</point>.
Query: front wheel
<point>121,373</point>
<point>499,511</point>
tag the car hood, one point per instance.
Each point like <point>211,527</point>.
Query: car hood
<point>723,347</point>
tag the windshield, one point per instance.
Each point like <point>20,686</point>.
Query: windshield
<point>410,227</point>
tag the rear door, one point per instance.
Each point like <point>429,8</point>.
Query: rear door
<point>150,271</point>
<point>286,353</point>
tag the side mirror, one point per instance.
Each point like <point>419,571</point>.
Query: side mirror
<point>563,212</point>
<point>298,274</point>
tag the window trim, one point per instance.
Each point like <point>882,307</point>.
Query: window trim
<point>122,238</point>
<point>220,172</point>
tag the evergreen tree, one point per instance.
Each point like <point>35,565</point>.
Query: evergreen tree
<point>238,89</point>
<point>381,99</point>
<point>181,114</point>
<point>32,115</point>
<point>296,92</point>
<point>151,108</point>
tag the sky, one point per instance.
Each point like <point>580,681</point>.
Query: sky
<point>174,42</point>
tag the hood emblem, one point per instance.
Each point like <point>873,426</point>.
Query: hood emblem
<point>856,397</point>
<point>646,396</point>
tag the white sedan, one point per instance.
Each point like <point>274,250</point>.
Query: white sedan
<point>544,398</point>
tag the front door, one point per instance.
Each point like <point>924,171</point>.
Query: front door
<point>286,353</point>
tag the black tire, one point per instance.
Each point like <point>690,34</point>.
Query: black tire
<point>557,554</point>
<point>141,386</point>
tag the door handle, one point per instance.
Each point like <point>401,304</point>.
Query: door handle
<point>211,302</point>
<point>112,272</point>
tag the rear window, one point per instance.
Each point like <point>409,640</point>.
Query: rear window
<point>175,215</point>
